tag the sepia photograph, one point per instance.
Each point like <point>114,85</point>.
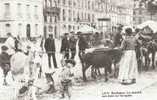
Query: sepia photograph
<point>78,49</point>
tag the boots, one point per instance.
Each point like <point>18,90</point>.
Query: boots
<point>5,82</point>
<point>51,89</point>
<point>62,96</point>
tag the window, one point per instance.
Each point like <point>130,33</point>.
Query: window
<point>36,12</point>
<point>64,2</point>
<point>74,3</point>
<point>50,29</point>
<point>7,28</point>
<point>36,28</point>
<point>64,15</point>
<point>19,12</point>
<point>78,17</point>
<point>50,19</point>
<point>89,17</point>
<point>92,17</point>
<point>70,15</point>
<point>134,12</point>
<point>82,15</point>
<point>45,18</point>
<point>19,29</point>
<point>140,20</point>
<point>7,10</point>
<point>55,19</point>
<point>140,12</point>
<point>74,18</point>
<point>28,11</point>
<point>88,4</point>
<point>69,2</point>
<point>69,28</point>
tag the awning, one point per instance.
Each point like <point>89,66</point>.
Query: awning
<point>87,29</point>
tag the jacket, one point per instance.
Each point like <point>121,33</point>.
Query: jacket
<point>4,59</point>
<point>72,43</point>
<point>65,46</point>
<point>50,45</point>
<point>82,44</point>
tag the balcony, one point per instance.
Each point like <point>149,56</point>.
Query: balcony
<point>52,10</point>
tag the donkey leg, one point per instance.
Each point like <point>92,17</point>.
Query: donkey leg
<point>93,72</point>
<point>106,75</point>
<point>84,68</point>
<point>99,73</point>
<point>153,60</point>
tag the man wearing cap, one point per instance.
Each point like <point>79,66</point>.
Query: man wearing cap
<point>5,62</point>
<point>50,50</point>
<point>10,43</point>
<point>72,45</point>
<point>65,46</point>
<point>82,43</point>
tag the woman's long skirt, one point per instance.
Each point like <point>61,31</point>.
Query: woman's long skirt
<point>128,67</point>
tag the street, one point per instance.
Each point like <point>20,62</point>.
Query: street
<point>145,87</point>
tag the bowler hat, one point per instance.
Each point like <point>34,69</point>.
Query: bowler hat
<point>128,31</point>
<point>4,48</point>
<point>71,61</point>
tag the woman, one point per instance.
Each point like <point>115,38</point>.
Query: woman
<point>128,64</point>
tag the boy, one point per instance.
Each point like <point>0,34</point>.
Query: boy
<point>66,76</point>
<point>5,62</point>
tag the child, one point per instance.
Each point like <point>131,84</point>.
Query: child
<point>5,62</point>
<point>66,76</point>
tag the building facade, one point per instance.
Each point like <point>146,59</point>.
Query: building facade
<point>21,17</point>
<point>141,13</point>
<point>69,15</point>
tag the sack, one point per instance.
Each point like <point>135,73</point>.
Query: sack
<point>23,90</point>
<point>66,82</point>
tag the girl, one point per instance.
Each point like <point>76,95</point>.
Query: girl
<point>128,64</point>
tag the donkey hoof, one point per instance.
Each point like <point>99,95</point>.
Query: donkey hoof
<point>106,79</point>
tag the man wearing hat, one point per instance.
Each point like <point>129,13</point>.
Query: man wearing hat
<point>65,46</point>
<point>50,49</point>
<point>118,37</point>
<point>5,62</point>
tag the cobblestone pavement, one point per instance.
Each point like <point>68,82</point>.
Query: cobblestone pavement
<point>145,88</point>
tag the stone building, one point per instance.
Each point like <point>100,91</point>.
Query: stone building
<point>141,14</point>
<point>21,17</point>
<point>69,15</point>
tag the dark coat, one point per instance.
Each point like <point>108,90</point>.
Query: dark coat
<point>4,60</point>
<point>82,43</point>
<point>72,43</point>
<point>117,39</point>
<point>50,45</point>
<point>65,46</point>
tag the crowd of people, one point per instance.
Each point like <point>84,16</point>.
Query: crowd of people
<point>21,55</point>
<point>32,51</point>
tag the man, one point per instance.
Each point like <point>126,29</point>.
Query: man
<point>10,43</point>
<point>82,44</point>
<point>72,45</point>
<point>5,62</point>
<point>65,46</point>
<point>118,38</point>
<point>50,50</point>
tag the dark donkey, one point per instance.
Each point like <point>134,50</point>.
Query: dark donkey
<point>148,46</point>
<point>100,58</point>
